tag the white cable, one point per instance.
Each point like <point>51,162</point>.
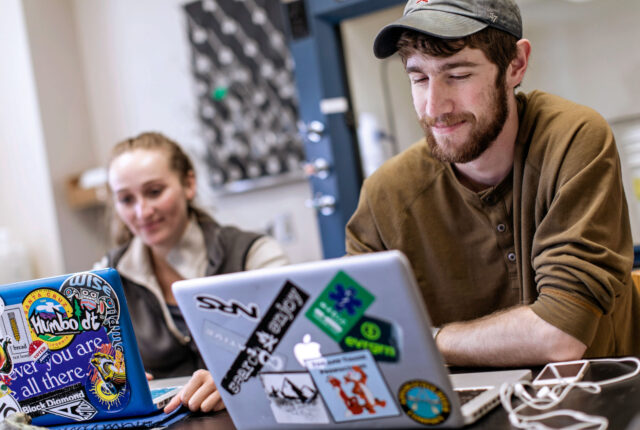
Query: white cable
<point>618,360</point>
<point>531,422</point>
<point>547,398</point>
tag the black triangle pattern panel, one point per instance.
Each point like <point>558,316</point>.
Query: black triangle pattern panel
<point>243,79</point>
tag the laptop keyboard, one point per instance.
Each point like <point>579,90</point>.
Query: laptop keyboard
<point>466,396</point>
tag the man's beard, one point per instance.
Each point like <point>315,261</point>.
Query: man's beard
<point>482,135</point>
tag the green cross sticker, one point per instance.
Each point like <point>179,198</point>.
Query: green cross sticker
<point>340,306</point>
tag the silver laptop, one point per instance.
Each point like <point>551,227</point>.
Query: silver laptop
<point>344,343</point>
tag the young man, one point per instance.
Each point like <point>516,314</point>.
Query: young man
<point>512,210</point>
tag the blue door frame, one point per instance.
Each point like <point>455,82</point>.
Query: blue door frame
<point>321,76</point>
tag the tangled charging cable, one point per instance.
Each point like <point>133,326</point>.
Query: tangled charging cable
<point>548,397</point>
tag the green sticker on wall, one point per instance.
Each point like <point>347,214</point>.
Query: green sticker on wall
<point>340,306</point>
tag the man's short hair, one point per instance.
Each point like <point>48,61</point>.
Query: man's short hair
<point>499,47</point>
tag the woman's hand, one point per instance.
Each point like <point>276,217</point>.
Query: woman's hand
<point>149,376</point>
<point>199,394</point>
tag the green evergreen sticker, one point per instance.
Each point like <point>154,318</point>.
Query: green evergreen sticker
<point>378,336</point>
<point>340,306</point>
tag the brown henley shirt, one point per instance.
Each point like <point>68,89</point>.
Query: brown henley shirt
<point>554,234</point>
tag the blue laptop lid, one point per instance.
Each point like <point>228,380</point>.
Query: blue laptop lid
<point>68,352</point>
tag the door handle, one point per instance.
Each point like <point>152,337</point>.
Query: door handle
<point>323,203</point>
<point>313,131</point>
<point>320,168</point>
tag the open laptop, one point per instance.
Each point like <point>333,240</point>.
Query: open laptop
<point>68,354</point>
<point>344,342</point>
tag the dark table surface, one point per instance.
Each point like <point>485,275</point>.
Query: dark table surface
<point>619,403</point>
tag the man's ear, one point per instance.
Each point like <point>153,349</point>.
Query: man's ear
<point>518,66</point>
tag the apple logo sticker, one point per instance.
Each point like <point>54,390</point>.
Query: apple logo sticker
<point>306,350</point>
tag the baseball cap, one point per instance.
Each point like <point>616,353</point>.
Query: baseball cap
<point>449,19</point>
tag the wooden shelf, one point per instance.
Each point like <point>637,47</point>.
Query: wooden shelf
<point>82,198</point>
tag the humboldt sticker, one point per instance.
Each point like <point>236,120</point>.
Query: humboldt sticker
<point>340,306</point>
<point>51,318</point>
<point>352,386</point>
<point>423,402</point>
<point>376,335</point>
<point>294,398</point>
<point>266,337</point>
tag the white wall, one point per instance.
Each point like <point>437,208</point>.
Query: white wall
<point>27,207</point>
<point>136,64</point>
<point>65,124</point>
<point>586,52</point>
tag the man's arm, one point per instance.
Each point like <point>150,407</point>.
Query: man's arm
<point>514,337</point>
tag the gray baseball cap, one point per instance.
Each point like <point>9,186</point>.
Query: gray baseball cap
<point>449,19</point>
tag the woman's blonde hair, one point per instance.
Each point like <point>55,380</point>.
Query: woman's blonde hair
<point>179,162</point>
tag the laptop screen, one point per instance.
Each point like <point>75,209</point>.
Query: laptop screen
<point>67,350</point>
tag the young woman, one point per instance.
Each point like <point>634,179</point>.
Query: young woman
<point>162,238</point>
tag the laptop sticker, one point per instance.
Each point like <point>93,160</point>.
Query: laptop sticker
<point>424,403</point>
<point>266,337</point>
<point>339,306</point>
<point>306,350</point>
<point>91,294</point>
<point>107,385</point>
<point>8,404</point>
<point>352,386</point>
<point>51,318</point>
<point>294,398</point>
<point>6,361</point>
<point>39,352</point>
<point>13,325</point>
<point>231,308</point>
<point>65,368</point>
<point>223,338</point>
<point>376,335</point>
<point>69,402</point>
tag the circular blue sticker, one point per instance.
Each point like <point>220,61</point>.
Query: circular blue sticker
<point>423,402</point>
<point>104,395</point>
